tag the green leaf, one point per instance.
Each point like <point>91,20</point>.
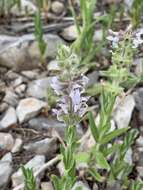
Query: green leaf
<point>93,126</point>
<point>56,182</point>
<point>82,157</point>
<point>96,175</point>
<point>101,161</point>
<point>111,150</point>
<point>112,135</point>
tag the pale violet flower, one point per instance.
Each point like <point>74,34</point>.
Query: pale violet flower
<point>72,103</point>
<point>113,38</point>
<point>138,38</point>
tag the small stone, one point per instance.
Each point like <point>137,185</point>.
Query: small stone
<point>17,145</point>
<point>50,125</point>
<point>95,186</point>
<point>30,74</point>
<point>38,88</point>
<point>82,185</point>
<point>115,186</point>
<point>26,6</point>
<point>87,141</point>
<point>11,98</point>
<point>29,108</point>
<point>128,4</point>
<point>93,78</point>
<point>3,107</point>
<point>20,89</point>
<point>22,53</point>
<point>138,95</point>
<point>140,171</point>
<point>57,7</point>
<point>139,66</point>
<point>35,164</point>
<point>60,167</point>
<point>139,141</point>
<point>46,186</point>
<point>46,146</point>
<point>5,170</point>
<point>98,35</point>
<point>70,33</point>
<point>9,119</point>
<point>123,111</point>
<point>12,75</point>
<point>17,81</point>
<point>6,141</point>
<point>53,66</point>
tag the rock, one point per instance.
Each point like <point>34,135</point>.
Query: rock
<point>3,107</point>
<point>38,88</point>
<point>115,186</point>
<point>93,78</point>
<point>70,33</point>
<point>42,123</point>
<point>139,141</point>
<point>53,66</point>
<point>82,185</point>
<point>11,98</point>
<point>22,53</point>
<point>30,74</point>
<point>35,164</point>
<point>46,146</point>
<point>11,75</point>
<point>123,112</point>
<point>28,108</point>
<point>60,167</point>
<point>95,186</point>
<point>139,66</point>
<point>140,171</point>
<point>20,89</point>
<point>17,145</point>
<point>17,81</point>
<point>6,141</point>
<point>5,170</point>
<point>128,4</point>
<point>50,124</point>
<point>26,7</point>
<point>87,141</point>
<point>98,35</point>
<point>9,118</point>
<point>46,186</point>
<point>138,95</point>
<point>57,7</point>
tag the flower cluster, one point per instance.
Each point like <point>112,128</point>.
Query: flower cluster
<point>116,37</point>
<point>71,105</point>
<point>138,38</point>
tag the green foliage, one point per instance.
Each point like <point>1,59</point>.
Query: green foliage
<point>6,5</point>
<point>67,181</point>
<point>136,12</point>
<point>42,4</point>
<point>136,185</point>
<point>39,34</point>
<point>117,75</point>
<point>29,179</point>
<point>84,45</point>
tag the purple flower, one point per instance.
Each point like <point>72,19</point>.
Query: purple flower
<point>114,38</point>
<point>72,103</point>
<point>138,39</point>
